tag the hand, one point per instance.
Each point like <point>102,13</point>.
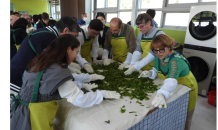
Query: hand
<point>97,62</point>
<point>88,68</point>
<point>106,61</point>
<point>74,65</point>
<point>159,100</point>
<point>130,70</point>
<point>96,77</point>
<point>89,86</point>
<point>122,66</point>
<point>112,94</point>
<point>72,70</point>
<point>145,74</point>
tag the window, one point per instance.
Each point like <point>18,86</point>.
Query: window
<point>182,1</point>
<point>157,17</point>
<point>109,16</point>
<point>126,4</point>
<point>124,18</point>
<point>100,3</point>
<point>55,9</point>
<point>151,4</point>
<point>177,19</point>
<point>111,3</point>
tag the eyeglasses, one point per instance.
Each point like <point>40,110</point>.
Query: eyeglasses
<point>140,26</point>
<point>160,50</point>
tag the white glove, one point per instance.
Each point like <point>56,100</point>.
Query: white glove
<point>75,66</point>
<point>72,70</point>
<point>106,61</point>
<point>96,77</point>
<point>112,94</point>
<point>97,62</point>
<point>122,66</point>
<point>159,100</point>
<point>89,86</point>
<point>145,74</point>
<point>130,70</point>
<point>88,68</point>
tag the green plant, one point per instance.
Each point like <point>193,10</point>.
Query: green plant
<point>122,110</point>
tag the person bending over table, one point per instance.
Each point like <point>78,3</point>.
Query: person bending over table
<point>121,37</point>
<point>48,79</point>
<point>174,69</point>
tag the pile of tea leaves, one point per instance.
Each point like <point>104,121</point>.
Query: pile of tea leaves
<point>126,85</point>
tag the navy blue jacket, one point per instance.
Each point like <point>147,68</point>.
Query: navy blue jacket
<point>81,22</point>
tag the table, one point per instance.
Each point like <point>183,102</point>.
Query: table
<point>70,117</point>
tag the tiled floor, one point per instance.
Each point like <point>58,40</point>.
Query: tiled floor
<point>204,117</point>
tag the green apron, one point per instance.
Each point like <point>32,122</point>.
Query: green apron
<point>13,30</point>
<point>188,80</point>
<point>145,45</point>
<point>42,114</point>
<point>86,47</point>
<point>120,47</point>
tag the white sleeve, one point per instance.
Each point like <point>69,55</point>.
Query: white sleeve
<point>78,84</point>
<point>95,46</point>
<point>76,96</point>
<point>79,58</point>
<point>153,73</point>
<point>84,78</point>
<point>146,60</point>
<point>135,57</point>
<point>168,87</point>
<point>105,53</point>
<point>128,59</point>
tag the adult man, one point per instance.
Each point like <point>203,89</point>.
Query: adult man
<point>152,13</point>
<point>122,38</point>
<point>89,44</point>
<point>35,43</point>
<point>17,14</point>
<point>44,22</point>
<point>148,32</point>
<point>82,21</point>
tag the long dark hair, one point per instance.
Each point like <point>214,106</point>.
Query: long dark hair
<point>56,52</point>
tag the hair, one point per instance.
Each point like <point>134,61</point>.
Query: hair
<point>83,14</point>
<point>35,18</point>
<point>39,16</point>
<point>12,12</point>
<point>74,18</point>
<point>44,15</point>
<point>67,22</point>
<point>162,41</point>
<point>100,14</point>
<point>23,15</point>
<point>51,23</point>
<point>96,24</point>
<point>56,52</point>
<point>151,12</point>
<point>144,18</point>
<point>119,21</point>
<point>16,13</point>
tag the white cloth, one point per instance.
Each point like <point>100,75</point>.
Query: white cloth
<point>83,77</point>
<point>70,117</point>
<point>146,60</point>
<point>76,96</point>
<point>128,59</point>
<point>168,87</point>
<point>105,53</point>
<point>135,57</point>
<point>95,46</point>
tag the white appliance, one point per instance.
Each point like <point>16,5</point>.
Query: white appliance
<point>200,45</point>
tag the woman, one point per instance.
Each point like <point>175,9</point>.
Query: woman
<point>44,20</point>
<point>34,107</point>
<point>17,35</point>
<point>102,34</point>
<point>174,69</point>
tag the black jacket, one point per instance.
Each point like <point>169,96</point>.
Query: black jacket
<point>102,39</point>
<point>41,24</point>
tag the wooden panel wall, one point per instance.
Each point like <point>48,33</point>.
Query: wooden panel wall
<point>72,8</point>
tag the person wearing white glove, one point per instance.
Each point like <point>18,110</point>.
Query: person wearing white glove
<point>174,69</point>
<point>89,86</point>
<point>97,62</point>
<point>95,77</point>
<point>86,78</point>
<point>73,70</point>
<point>75,66</point>
<point>143,45</point>
<point>88,39</point>
<point>120,37</point>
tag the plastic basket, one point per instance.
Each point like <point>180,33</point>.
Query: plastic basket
<point>211,97</point>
